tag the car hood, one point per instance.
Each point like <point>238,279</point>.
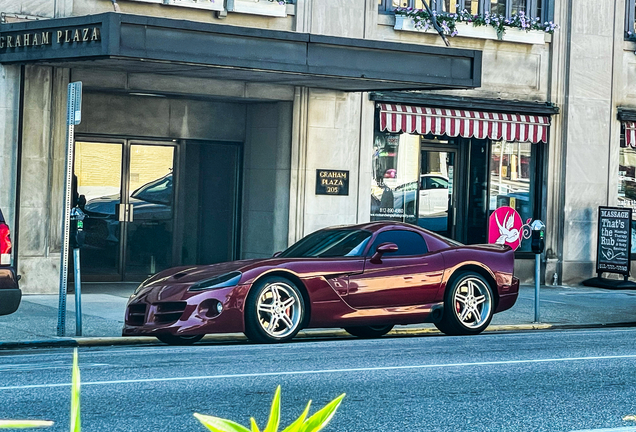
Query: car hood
<point>192,274</point>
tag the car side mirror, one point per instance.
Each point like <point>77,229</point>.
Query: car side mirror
<point>277,254</point>
<point>381,250</point>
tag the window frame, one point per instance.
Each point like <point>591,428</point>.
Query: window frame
<point>386,7</point>
<point>630,20</point>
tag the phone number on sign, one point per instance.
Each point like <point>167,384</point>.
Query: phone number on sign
<point>612,267</point>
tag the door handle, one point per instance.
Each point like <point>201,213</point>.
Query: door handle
<point>120,209</point>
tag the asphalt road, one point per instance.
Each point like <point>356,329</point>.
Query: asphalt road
<point>530,381</point>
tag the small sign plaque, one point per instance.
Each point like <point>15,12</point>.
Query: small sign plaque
<point>332,182</point>
<point>614,240</point>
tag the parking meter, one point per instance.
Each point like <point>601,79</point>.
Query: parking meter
<point>537,245</point>
<point>538,237</point>
<point>77,228</point>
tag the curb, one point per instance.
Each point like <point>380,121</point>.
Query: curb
<point>304,334</point>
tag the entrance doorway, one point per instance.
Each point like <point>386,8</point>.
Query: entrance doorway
<point>129,188</point>
<point>437,192</point>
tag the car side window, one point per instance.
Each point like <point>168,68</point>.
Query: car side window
<point>408,243</point>
<point>437,183</point>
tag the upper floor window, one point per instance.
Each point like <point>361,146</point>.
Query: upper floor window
<point>533,8</point>
<point>630,19</point>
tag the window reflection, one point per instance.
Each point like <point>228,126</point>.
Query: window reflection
<point>510,168</point>
<point>395,178</point>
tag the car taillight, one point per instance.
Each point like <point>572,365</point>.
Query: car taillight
<point>5,244</point>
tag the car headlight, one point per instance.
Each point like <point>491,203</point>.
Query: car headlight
<point>223,281</point>
<point>141,285</point>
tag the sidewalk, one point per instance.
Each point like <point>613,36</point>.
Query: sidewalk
<point>35,322</point>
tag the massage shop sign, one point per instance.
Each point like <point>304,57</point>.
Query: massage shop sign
<point>614,240</point>
<point>30,40</point>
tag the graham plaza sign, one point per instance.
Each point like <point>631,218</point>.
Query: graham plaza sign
<point>28,40</point>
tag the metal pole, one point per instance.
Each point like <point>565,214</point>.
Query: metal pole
<point>78,292</point>
<point>70,135</point>
<point>537,268</point>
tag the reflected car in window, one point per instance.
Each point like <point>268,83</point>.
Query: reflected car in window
<point>150,202</point>
<point>10,294</point>
<point>364,278</point>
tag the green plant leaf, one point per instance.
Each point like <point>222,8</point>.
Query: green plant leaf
<point>254,425</point>
<point>320,419</point>
<point>216,424</point>
<point>24,424</point>
<point>274,413</point>
<point>298,424</point>
<point>76,424</point>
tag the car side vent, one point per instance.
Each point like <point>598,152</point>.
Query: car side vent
<point>169,312</point>
<point>136,314</point>
<point>179,275</point>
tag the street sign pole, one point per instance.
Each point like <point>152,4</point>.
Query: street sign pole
<point>73,118</point>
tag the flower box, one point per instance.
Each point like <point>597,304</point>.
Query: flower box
<point>258,7</point>
<point>465,29</point>
<point>214,5</point>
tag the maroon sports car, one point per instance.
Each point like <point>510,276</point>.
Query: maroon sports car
<point>364,278</point>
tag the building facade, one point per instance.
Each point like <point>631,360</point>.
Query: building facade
<point>214,130</point>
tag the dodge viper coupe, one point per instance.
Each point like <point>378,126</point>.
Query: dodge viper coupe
<point>364,278</point>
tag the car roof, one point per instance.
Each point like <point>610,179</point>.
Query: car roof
<point>380,225</point>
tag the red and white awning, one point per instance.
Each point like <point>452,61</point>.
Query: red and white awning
<point>630,133</point>
<point>496,126</point>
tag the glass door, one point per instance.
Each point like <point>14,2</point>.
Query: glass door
<point>129,191</point>
<point>148,210</point>
<point>98,177</point>
<point>437,202</point>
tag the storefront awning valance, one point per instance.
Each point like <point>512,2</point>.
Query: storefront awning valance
<point>630,133</point>
<point>396,118</point>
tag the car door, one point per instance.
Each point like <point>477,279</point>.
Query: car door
<point>409,276</point>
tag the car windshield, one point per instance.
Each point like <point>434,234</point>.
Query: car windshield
<point>330,243</point>
<point>158,191</point>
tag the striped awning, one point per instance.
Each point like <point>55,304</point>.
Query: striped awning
<point>630,133</point>
<point>396,118</point>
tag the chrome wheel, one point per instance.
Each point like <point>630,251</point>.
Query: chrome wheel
<point>279,310</point>
<point>472,302</point>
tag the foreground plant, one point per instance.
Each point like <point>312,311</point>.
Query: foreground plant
<point>302,424</point>
<point>76,425</point>
<point>24,424</point>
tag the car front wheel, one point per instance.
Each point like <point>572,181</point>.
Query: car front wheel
<point>274,310</point>
<point>468,305</point>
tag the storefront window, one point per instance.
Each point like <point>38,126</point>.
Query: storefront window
<point>452,185</point>
<point>395,178</point>
<point>510,179</point>
<point>627,184</point>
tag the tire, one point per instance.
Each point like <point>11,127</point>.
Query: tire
<point>368,332</point>
<point>468,305</point>
<point>179,340</point>
<point>274,311</point>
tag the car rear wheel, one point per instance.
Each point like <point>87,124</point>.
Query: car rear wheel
<point>468,305</point>
<point>274,311</point>
<point>368,331</point>
<point>179,340</point>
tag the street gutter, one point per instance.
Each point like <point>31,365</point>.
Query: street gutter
<point>303,335</point>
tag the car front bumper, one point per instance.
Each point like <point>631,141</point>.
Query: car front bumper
<point>186,315</point>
